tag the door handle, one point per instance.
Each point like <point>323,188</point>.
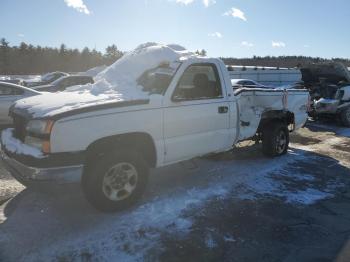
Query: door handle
<point>223,109</point>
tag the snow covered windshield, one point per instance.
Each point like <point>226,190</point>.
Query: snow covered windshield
<point>157,80</point>
<point>133,75</point>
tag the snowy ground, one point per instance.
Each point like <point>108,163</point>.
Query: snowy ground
<point>235,206</point>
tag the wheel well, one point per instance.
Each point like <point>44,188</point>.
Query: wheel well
<point>267,117</point>
<point>142,142</point>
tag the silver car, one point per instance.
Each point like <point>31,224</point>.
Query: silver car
<point>240,83</point>
<point>9,93</point>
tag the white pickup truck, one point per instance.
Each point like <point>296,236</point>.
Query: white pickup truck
<point>110,145</point>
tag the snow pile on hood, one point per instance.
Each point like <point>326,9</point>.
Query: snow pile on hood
<point>121,77</point>
<point>49,104</point>
<point>117,82</point>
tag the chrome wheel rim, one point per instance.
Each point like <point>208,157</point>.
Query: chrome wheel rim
<point>120,181</point>
<point>281,142</point>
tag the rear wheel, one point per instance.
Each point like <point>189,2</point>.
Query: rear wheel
<point>345,117</point>
<point>275,139</point>
<point>116,181</point>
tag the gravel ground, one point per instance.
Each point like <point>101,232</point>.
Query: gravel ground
<point>237,206</point>
<point>8,186</point>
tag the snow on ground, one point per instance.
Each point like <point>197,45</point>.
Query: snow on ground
<point>267,184</point>
<point>117,82</point>
<point>129,236</point>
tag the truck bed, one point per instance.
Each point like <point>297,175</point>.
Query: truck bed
<point>253,102</point>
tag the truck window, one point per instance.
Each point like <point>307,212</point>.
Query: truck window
<point>199,82</point>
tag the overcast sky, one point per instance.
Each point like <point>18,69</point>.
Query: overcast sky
<point>238,28</point>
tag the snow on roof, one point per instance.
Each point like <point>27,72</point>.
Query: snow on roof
<point>123,74</point>
<point>117,82</point>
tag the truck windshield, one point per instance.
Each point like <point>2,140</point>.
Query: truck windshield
<point>157,80</point>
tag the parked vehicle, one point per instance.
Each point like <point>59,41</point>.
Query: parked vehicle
<point>11,81</point>
<point>93,71</point>
<point>65,81</point>
<point>329,87</point>
<point>9,93</point>
<point>44,80</point>
<point>239,83</point>
<point>109,146</point>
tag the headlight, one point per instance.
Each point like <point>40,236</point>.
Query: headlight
<point>40,143</point>
<point>34,142</point>
<point>38,134</point>
<point>39,127</point>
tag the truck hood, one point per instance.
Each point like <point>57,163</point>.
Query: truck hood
<point>57,105</point>
<point>332,72</point>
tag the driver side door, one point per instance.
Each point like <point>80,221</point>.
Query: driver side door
<point>196,119</point>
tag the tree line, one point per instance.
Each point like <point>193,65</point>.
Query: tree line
<point>29,59</point>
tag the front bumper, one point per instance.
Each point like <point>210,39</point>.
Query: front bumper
<point>59,168</point>
<point>29,175</point>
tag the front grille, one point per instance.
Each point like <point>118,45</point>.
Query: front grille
<point>19,127</point>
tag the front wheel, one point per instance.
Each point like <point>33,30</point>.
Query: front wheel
<point>275,140</point>
<point>115,181</point>
<point>345,117</point>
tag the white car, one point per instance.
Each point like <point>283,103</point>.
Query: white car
<point>44,79</point>
<point>9,93</point>
<point>189,110</point>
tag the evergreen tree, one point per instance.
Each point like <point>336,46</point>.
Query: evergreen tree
<point>29,59</point>
<point>4,56</point>
<point>112,53</point>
